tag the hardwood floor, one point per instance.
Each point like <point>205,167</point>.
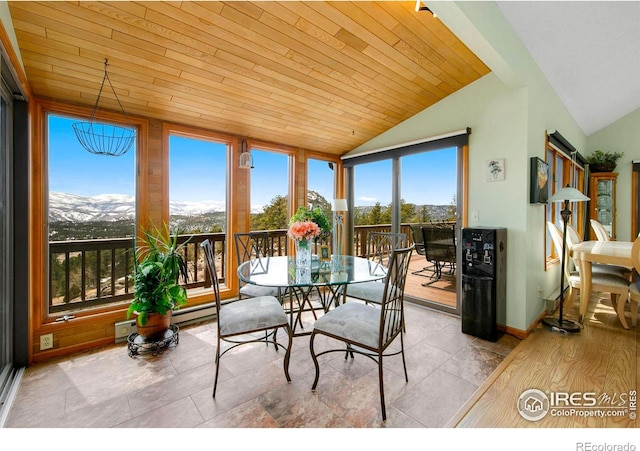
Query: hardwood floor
<point>601,359</point>
<point>442,291</point>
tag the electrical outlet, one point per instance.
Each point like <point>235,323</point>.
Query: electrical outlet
<point>46,341</point>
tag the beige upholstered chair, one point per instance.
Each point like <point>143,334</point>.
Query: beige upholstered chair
<point>600,231</point>
<point>573,238</point>
<point>601,282</point>
<point>634,292</point>
<point>238,321</point>
<point>368,330</point>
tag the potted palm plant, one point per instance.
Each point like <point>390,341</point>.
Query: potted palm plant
<point>159,266</point>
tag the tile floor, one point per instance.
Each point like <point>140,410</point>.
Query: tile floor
<point>109,389</point>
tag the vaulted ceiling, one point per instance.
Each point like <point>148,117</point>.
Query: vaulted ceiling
<point>325,76</point>
<point>589,51</point>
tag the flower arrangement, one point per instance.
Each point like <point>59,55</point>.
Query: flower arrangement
<point>315,216</point>
<point>304,230</point>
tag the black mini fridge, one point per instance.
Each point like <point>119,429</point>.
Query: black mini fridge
<point>484,282</point>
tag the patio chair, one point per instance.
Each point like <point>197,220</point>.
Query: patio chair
<point>440,248</point>
<point>418,240</point>
<point>366,330</point>
<point>245,317</point>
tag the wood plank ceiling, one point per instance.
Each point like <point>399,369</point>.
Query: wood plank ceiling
<point>325,76</point>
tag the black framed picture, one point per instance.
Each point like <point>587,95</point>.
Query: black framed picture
<point>539,181</point>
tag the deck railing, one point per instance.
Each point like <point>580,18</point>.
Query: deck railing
<point>90,273</point>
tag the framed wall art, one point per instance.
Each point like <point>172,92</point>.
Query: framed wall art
<point>495,170</point>
<point>539,181</point>
<point>324,253</point>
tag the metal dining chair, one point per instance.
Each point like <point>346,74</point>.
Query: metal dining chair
<point>379,248</point>
<point>249,246</point>
<point>366,330</point>
<point>239,319</point>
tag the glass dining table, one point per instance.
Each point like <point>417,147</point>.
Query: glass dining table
<point>298,286</point>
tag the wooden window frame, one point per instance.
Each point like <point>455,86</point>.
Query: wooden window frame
<point>552,155</point>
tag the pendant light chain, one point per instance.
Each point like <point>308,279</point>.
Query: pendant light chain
<point>101,138</point>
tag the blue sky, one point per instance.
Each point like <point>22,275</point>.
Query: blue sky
<point>427,178</point>
<point>74,170</point>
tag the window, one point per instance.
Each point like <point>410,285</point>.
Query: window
<point>372,193</point>
<point>563,171</point>
<point>198,199</point>
<point>92,221</point>
<point>429,186</point>
<point>269,190</point>
<point>320,181</point>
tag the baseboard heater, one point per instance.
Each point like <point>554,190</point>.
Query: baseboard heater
<point>182,317</point>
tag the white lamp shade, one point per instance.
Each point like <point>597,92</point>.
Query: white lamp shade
<point>568,193</point>
<point>339,205</point>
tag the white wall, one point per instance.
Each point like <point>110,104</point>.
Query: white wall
<point>7,23</point>
<point>509,112</point>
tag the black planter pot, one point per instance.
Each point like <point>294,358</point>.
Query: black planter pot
<point>603,167</point>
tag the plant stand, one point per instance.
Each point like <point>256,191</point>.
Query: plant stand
<point>137,345</point>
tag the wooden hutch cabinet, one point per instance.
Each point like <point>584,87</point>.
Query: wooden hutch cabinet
<point>602,206</point>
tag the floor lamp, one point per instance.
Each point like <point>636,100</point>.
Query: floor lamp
<point>566,195</point>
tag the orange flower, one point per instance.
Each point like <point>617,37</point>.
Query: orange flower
<point>303,230</point>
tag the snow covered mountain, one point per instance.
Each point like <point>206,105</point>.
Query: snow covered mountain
<point>113,207</point>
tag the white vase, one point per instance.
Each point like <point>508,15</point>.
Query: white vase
<point>303,261</point>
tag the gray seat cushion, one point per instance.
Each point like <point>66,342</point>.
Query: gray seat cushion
<point>601,279</point>
<point>367,291</point>
<point>352,321</point>
<point>247,315</point>
<point>597,268</point>
<point>257,290</point>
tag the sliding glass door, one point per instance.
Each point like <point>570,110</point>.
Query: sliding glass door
<point>6,240</point>
<point>412,187</point>
<point>429,187</point>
